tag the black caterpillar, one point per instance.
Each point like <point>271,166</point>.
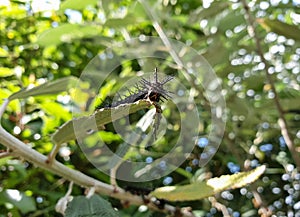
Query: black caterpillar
<point>147,90</point>
<point>151,90</point>
<point>143,192</point>
<point>138,190</point>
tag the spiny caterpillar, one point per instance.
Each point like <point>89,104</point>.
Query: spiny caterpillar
<point>146,89</point>
<point>151,90</point>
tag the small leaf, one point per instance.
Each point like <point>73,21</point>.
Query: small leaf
<point>3,52</point>
<point>52,87</point>
<point>24,203</point>
<point>5,72</point>
<point>130,19</point>
<point>99,118</point>
<point>216,57</point>
<point>280,28</point>
<point>239,106</point>
<point>230,20</point>
<point>201,13</point>
<point>90,207</point>
<point>77,4</point>
<point>66,33</point>
<point>200,190</point>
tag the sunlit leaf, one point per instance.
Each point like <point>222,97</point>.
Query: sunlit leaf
<point>5,72</point>
<point>3,52</point>
<point>56,110</point>
<point>52,87</point>
<point>280,28</point>
<point>121,22</point>
<point>203,13</point>
<point>77,4</point>
<point>14,12</point>
<point>200,190</point>
<point>66,33</point>
<point>90,207</point>
<point>230,21</point>
<point>100,117</point>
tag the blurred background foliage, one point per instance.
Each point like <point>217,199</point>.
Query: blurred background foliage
<point>42,41</point>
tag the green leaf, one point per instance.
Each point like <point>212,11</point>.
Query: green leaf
<point>230,20</point>
<point>200,190</point>
<point>66,33</point>
<point>130,19</point>
<point>24,203</point>
<point>100,117</point>
<point>214,57</point>
<point>255,82</point>
<point>3,52</point>
<point>280,28</point>
<point>239,106</point>
<point>5,72</point>
<point>215,9</point>
<point>56,110</point>
<point>52,87</point>
<point>90,207</point>
<point>77,4</point>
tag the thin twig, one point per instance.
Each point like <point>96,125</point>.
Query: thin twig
<point>258,201</point>
<point>281,120</point>
<point>209,79</point>
<point>62,203</point>
<point>3,107</point>
<point>219,206</point>
<point>177,59</point>
<point>5,153</point>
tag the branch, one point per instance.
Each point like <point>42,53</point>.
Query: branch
<point>281,120</point>
<point>3,107</point>
<point>22,150</point>
<point>6,153</point>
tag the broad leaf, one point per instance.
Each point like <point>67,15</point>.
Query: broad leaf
<point>53,87</point>
<point>280,28</point>
<point>5,72</point>
<point>90,207</point>
<point>200,190</point>
<point>3,52</point>
<point>77,4</point>
<point>230,20</point>
<point>66,33</point>
<point>100,117</point>
<point>130,19</point>
<point>204,13</point>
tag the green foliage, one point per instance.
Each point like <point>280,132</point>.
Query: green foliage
<point>54,87</point>
<point>90,207</point>
<point>281,28</point>
<point>66,33</point>
<point>43,53</point>
<point>77,4</point>
<point>18,199</point>
<point>5,72</point>
<point>200,190</point>
<point>101,117</point>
